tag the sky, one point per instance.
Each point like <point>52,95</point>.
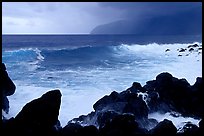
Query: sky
<point>80,17</point>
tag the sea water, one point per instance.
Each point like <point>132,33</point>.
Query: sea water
<point>87,67</point>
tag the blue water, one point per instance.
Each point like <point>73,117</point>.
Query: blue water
<point>86,67</point>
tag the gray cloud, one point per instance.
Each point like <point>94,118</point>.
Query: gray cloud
<point>60,17</point>
<point>80,17</point>
<point>152,8</point>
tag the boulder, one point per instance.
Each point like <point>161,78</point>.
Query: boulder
<point>168,93</point>
<point>122,125</point>
<point>136,106</point>
<point>182,50</point>
<point>90,131</point>
<point>89,119</point>
<point>190,129</point>
<point>124,102</point>
<point>5,104</point>
<point>8,127</point>
<point>136,87</point>
<point>75,129</point>
<point>191,49</point>
<point>167,50</point>
<point>196,101</point>
<point>104,117</point>
<point>72,129</point>
<point>147,123</point>
<point>106,100</point>
<point>165,127</point>
<point>194,45</point>
<point>40,116</point>
<point>7,87</point>
<point>201,127</point>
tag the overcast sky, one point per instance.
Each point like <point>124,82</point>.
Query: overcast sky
<point>79,17</point>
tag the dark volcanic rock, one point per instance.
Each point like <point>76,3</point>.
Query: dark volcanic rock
<point>136,87</point>
<point>71,129</point>
<point>89,119</point>
<point>124,102</point>
<point>106,100</point>
<point>136,106</point>
<point>164,127</point>
<point>201,124</point>
<point>190,129</point>
<point>196,101</point>
<point>168,93</point>
<point>75,129</point>
<point>148,123</point>
<point>201,127</point>
<point>5,104</point>
<point>194,45</point>
<point>182,50</point>
<point>40,116</point>
<point>8,126</point>
<point>167,50</point>
<point>191,49</point>
<point>104,117</point>
<point>90,131</point>
<point>7,87</point>
<point>122,125</point>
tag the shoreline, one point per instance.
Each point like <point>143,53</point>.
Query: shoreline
<point>134,98</point>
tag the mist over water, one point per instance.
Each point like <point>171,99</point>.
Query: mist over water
<point>86,69</point>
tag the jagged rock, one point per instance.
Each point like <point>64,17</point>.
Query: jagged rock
<point>194,45</point>
<point>7,87</point>
<point>75,129</point>
<point>136,87</point>
<point>136,106</point>
<point>148,123</point>
<point>201,127</point>
<point>104,117</point>
<point>124,102</point>
<point>190,129</point>
<point>39,116</point>
<point>182,50</point>
<point>90,119</point>
<point>8,126</point>
<point>5,104</point>
<point>71,129</point>
<point>122,125</point>
<point>175,94</point>
<point>201,124</point>
<point>196,101</point>
<point>191,49</point>
<point>167,50</point>
<point>164,127</point>
<point>90,131</point>
<point>106,100</point>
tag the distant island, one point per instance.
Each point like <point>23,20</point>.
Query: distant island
<point>189,24</point>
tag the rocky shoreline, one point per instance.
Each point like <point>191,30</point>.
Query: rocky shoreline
<point>124,113</point>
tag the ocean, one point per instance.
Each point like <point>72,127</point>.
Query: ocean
<point>87,67</point>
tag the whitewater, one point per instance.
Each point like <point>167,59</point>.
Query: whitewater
<point>86,73</point>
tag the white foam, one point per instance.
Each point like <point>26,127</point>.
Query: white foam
<point>179,121</point>
<point>73,103</point>
<point>39,56</point>
<point>188,67</point>
<point>81,88</point>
